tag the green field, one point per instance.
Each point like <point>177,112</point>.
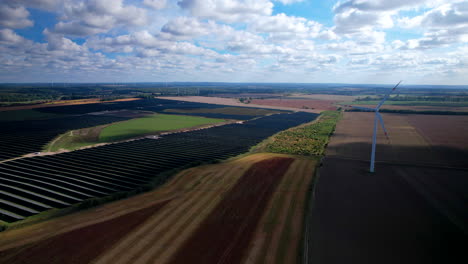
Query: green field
<point>309,139</point>
<point>149,124</point>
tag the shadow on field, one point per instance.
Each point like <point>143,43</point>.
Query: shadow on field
<point>399,214</point>
<point>413,155</point>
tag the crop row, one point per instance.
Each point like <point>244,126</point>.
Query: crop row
<point>32,185</point>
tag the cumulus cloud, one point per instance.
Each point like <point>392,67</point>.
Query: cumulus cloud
<point>82,18</point>
<point>228,10</point>
<point>376,5</point>
<point>155,4</point>
<point>444,25</point>
<point>222,38</point>
<point>189,27</point>
<point>14,16</point>
<point>8,37</point>
<point>288,2</point>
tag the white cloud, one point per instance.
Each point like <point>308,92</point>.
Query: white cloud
<point>41,4</point>
<point>444,25</point>
<point>14,16</point>
<point>354,20</point>
<point>376,5</point>
<point>82,18</point>
<point>188,27</point>
<point>288,2</point>
<point>155,4</point>
<point>9,37</point>
<point>228,10</point>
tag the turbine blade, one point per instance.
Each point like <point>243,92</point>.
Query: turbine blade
<point>363,108</point>
<point>382,123</point>
<point>386,96</point>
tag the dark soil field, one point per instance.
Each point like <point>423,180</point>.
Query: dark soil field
<point>224,236</point>
<point>80,245</point>
<point>431,140</point>
<point>411,210</point>
<point>297,103</point>
<point>400,214</point>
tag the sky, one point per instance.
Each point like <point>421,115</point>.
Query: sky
<point>298,41</point>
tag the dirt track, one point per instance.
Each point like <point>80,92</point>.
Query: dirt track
<point>412,210</point>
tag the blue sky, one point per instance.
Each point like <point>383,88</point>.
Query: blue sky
<point>348,41</point>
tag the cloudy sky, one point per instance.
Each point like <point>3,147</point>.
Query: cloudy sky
<point>350,41</point>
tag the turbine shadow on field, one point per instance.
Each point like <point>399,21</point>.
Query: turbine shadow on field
<point>399,214</point>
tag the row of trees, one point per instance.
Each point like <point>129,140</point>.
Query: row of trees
<point>446,98</point>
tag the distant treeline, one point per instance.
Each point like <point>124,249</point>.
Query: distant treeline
<point>405,111</point>
<point>446,98</point>
<point>15,93</point>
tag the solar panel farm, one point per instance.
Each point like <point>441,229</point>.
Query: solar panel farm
<point>291,178</point>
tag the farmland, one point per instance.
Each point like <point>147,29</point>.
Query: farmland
<point>161,223</point>
<point>151,124</point>
<point>24,135</point>
<point>297,103</point>
<point>411,210</point>
<point>308,139</point>
<point>36,184</point>
<point>231,182</point>
<point>235,102</point>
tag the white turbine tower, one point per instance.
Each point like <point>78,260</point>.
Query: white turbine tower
<point>377,118</point>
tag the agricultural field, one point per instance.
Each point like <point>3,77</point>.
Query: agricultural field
<point>312,104</point>
<point>28,131</point>
<point>307,139</point>
<point>411,210</point>
<point>169,225</point>
<point>235,102</point>
<point>225,110</point>
<point>150,124</point>
<point>37,184</point>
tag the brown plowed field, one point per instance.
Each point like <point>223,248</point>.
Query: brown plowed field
<point>411,210</point>
<point>224,236</point>
<point>297,103</point>
<point>422,108</point>
<point>434,140</point>
<point>191,197</point>
<point>279,233</point>
<point>80,245</point>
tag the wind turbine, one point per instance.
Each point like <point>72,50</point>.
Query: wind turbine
<point>377,118</point>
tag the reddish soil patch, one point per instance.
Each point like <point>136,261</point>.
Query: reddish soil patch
<point>80,245</point>
<point>251,95</point>
<point>224,236</point>
<point>297,103</point>
<point>441,130</point>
